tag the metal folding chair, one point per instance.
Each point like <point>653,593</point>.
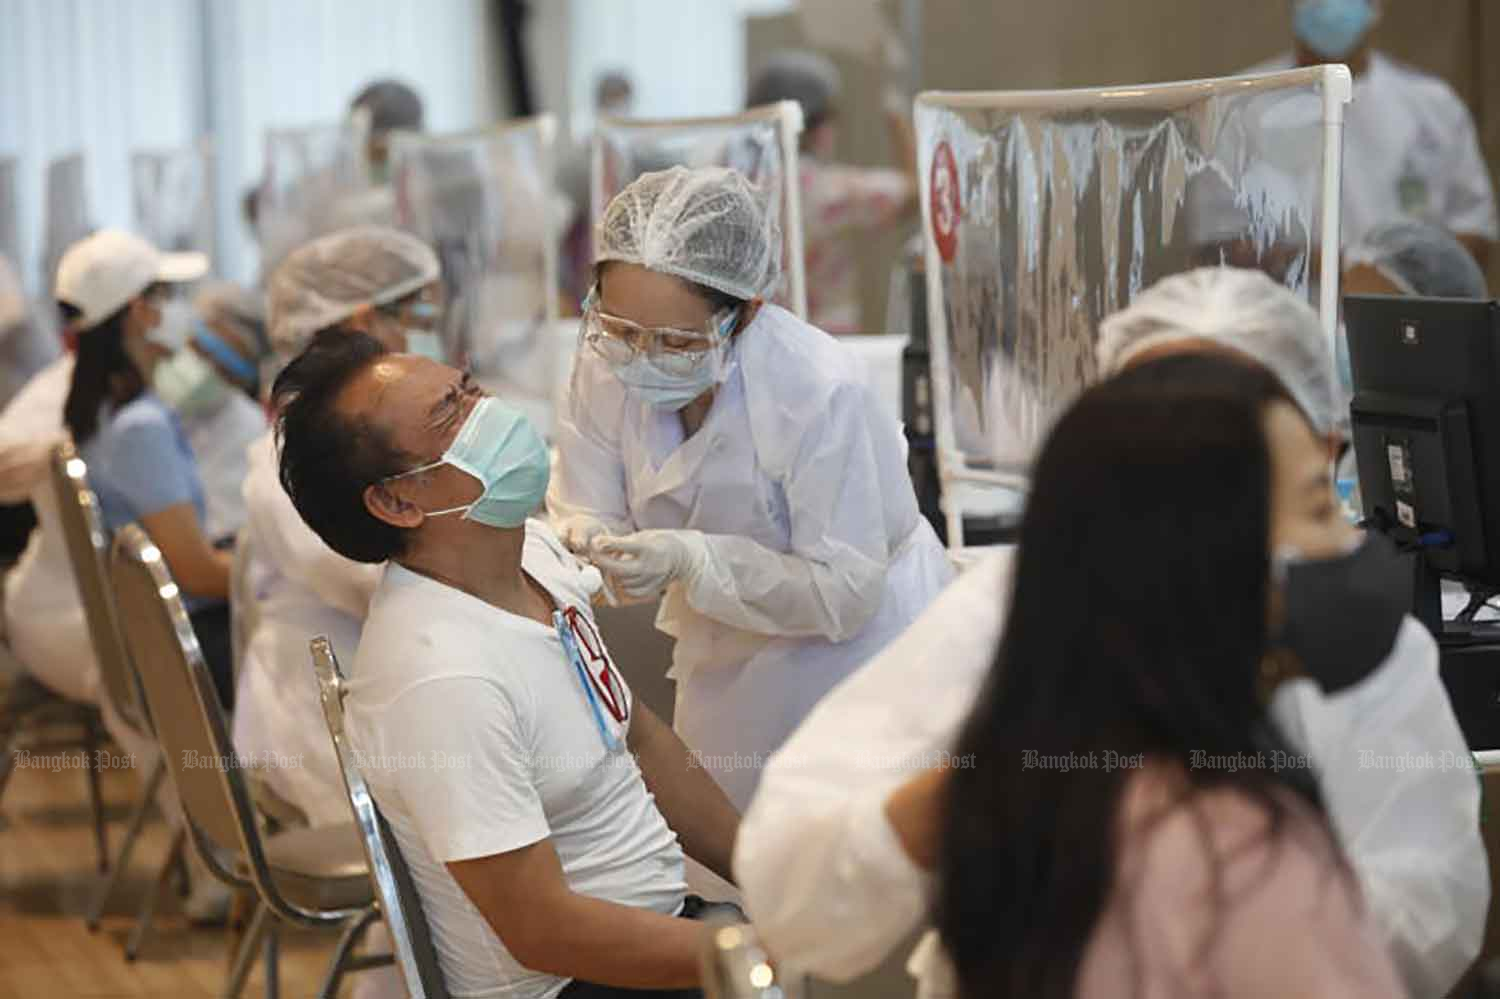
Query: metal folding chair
<point>314,877</point>
<point>410,934</point>
<point>88,550</point>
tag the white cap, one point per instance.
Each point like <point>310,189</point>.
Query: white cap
<point>99,274</point>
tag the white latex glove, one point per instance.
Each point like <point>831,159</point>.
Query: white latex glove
<point>642,564</point>
<point>578,532</point>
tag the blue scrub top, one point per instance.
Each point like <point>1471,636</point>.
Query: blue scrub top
<point>140,463</point>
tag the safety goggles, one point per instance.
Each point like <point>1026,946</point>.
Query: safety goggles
<point>620,341</point>
<point>602,686</point>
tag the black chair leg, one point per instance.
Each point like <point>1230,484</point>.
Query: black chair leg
<point>96,796</point>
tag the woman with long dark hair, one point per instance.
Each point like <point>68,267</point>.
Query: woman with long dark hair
<point>113,290</point>
<point>1124,818</point>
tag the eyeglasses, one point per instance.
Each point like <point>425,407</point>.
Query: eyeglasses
<point>601,684</point>
<point>678,352</point>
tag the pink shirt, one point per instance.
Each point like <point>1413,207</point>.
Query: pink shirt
<point>838,201</point>
<point>1285,919</point>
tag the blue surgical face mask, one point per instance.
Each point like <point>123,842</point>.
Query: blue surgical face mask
<point>189,384</point>
<point>1332,28</point>
<point>669,390</point>
<point>498,446</point>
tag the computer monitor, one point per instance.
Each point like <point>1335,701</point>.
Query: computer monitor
<point>1425,422</point>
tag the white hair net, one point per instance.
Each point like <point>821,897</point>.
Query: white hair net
<point>705,225</point>
<point>326,281</point>
<point>1242,310</point>
<point>1420,259</point>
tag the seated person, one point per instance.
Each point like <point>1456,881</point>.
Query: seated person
<point>1125,817</point>
<point>832,888</point>
<point>116,287</point>
<point>371,280</point>
<point>539,805</point>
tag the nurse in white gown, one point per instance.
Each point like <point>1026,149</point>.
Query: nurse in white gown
<point>720,449</point>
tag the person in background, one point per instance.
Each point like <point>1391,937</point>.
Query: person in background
<point>547,852</point>
<point>1408,257</point>
<point>614,94</point>
<point>210,385</point>
<point>839,201</point>
<point>231,333</point>
<point>44,624</point>
<point>115,288</point>
<point>371,280</point>
<point>720,450</point>
<point>26,347</point>
<point>826,822</point>
<point>392,106</point>
<point>1125,817</point>
<point>1410,146</point>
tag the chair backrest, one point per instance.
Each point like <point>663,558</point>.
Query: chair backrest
<point>88,552</point>
<point>190,724</point>
<point>244,611</point>
<point>399,901</point>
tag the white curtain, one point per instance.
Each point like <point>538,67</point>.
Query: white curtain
<point>106,77</point>
<point>102,78</point>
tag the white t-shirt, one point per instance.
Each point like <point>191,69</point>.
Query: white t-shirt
<point>474,731</point>
<point>1410,151</point>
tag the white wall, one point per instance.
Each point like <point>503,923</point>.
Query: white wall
<point>111,76</point>
<point>685,58</point>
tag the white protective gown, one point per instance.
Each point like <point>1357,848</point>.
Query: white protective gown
<point>220,439</point>
<point>44,623</point>
<point>831,890</point>
<point>818,556</point>
<point>302,589</point>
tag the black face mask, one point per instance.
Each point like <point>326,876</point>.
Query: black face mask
<point>1342,614</point>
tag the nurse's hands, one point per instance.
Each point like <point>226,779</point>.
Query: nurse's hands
<point>578,533</point>
<point>641,565</point>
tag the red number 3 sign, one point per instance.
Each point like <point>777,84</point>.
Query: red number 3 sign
<point>947,206</point>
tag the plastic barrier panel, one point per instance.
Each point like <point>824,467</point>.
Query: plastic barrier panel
<point>1046,211</point>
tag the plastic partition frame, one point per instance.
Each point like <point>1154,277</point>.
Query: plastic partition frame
<point>1336,86</point>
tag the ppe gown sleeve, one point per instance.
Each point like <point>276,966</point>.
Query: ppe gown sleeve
<point>1412,833</point>
<point>290,545</point>
<point>832,581</point>
<point>825,879</point>
<point>1468,207</point>
<point>588,473</point>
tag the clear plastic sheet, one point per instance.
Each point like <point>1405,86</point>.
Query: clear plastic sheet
<point>1045,212</point>
<point>761,144</point>
<point>10,227</point>
<point>66,217</point>
<point>485,203</point>
<point>316,180</point>
<point>172,197</point>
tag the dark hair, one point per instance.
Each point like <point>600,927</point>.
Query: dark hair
<point>102,372</point>
<point>327,458</point>
<point>1137,626</point>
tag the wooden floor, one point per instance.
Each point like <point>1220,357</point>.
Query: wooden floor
<point>47,874</point>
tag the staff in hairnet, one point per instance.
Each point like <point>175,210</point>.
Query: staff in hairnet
<point>369,279</point>
<point>834,863</point>
<point>717,447</point>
